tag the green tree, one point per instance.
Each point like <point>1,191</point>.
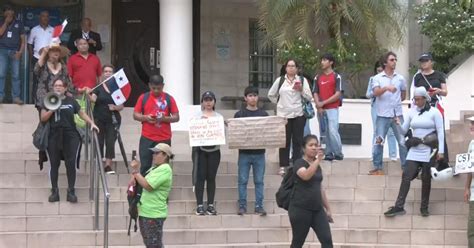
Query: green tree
<point>450,27</point>
<point>347,28</point>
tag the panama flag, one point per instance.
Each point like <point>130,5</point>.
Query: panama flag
<point>57,31</point>
<point>119,87</point>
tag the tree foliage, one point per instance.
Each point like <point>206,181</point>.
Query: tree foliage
<point>450,27</point>
<point>349,29</point>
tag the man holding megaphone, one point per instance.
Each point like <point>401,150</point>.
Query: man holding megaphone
<point>63,140</point>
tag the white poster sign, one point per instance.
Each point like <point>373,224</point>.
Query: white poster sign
<point>464,164</point>
<point>206,131</point>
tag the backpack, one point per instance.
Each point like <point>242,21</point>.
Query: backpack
<point>336,76</point>
<point>285,191</point>
<point>146,96</point>
<point>40,136</point>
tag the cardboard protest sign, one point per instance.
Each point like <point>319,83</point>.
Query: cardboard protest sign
<point>256,132</point>
<point>206,131</point>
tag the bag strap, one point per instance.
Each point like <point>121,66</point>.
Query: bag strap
<point>282,80</point>
<point>168,102</point>
<point>144,101</point>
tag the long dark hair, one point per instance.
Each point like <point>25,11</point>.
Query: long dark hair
<point>308,138</point>
<point>378,64</point>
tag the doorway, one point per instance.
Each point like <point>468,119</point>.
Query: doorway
<point>137,42</point>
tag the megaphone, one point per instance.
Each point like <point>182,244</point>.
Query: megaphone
<point>442,175</point>
<point>52,101</point>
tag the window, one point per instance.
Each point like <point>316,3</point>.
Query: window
<point>262,58</point>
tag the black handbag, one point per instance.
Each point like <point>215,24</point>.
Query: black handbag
<point>40,136</point>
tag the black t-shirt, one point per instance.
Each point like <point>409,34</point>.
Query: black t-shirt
<point>64,116</point>
<point>101,107</point>
<point>307,194</point>
<point>251,113</point>
<point>435,79</point>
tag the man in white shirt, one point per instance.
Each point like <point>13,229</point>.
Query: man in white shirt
<point>40,36</point>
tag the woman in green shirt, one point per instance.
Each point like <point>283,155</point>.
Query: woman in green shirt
<point>156,183</point>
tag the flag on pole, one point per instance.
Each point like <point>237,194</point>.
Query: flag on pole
<point>57,31</point>
<point>119,87</point>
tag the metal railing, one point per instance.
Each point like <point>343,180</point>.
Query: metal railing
<point>96,169</point>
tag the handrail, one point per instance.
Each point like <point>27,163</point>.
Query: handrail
<point>96,170</point>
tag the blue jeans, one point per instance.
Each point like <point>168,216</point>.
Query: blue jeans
<point>329,129</point>
<point>257,161</point>
<point>307,129</point>
<point>391,140</point>
<point>383,124</point>
<point>7,58</point>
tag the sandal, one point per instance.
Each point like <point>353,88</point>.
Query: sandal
<point>282,171</point>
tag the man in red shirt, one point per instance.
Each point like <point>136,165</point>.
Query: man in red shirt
<point>328,90</point>
<point>156,110</point>
<point>84,68</point>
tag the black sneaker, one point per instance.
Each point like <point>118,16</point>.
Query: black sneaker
<point>424,212</point>
<point>200,210</point>
<point>392,211</point>
<point>329,157</point>
<point>242,211</point>
<point>211,210</point>
<point>260,211</point>
<point>54,197</point>
<point>339,157</point>
<point>71,196</point>
<point>108,170</point>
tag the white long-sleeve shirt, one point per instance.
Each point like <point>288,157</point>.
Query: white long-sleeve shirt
<point>422,125</point>
<point>289,104</point>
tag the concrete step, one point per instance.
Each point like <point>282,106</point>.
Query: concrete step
<point>230,193</point>
<point>182,207</point>
<point>255,237</point>
<point>226,222</point>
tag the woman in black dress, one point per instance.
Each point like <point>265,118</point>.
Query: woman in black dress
<point>107,117</point>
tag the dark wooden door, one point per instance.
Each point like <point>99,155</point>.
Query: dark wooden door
<point>137,39</point>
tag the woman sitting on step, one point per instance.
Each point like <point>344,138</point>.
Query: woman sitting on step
<point>309,206</point>
<point>153,206</point>
<point>424,121</point>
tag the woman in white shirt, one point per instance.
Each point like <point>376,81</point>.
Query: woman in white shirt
<point>424,121</point>
<point>288,92</point>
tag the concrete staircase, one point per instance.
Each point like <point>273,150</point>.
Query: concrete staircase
<point>357,200</point>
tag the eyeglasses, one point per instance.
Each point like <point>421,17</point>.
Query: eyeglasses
<point>290,65</point>
<point>391,60</point>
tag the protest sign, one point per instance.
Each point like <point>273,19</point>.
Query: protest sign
<point>256,132</point>
<point>206,131</point>
<point>464,164</point>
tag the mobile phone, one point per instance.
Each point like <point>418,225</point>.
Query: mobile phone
<point>154,116</point>
<point>134,155</point>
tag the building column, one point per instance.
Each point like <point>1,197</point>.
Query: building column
<point>176,49</point>
<point>403,51</point>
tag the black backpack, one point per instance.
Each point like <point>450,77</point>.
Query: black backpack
<point>287,187</point>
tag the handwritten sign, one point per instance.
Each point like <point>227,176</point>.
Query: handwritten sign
<point>207,131</point>
<point>464,164</point>
<point>256,132</point>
